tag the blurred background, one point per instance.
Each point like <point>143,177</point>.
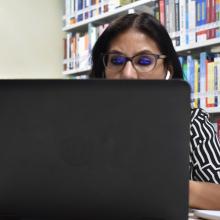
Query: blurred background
<point>31,38</point>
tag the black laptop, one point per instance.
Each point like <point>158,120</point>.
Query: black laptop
<point>94,149</point>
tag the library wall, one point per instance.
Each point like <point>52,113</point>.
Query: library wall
<point>31,39</point>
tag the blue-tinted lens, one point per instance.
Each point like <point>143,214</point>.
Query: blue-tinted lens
<point>118,60</point>
<point>145,60</point>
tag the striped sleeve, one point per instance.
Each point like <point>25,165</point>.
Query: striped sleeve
<point>204,149</point>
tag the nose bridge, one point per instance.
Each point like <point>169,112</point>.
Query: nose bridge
<point>129,71</point>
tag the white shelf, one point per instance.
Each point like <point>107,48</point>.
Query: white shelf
<point>206,95</point>
<point>196,45</point>
<point>107,14</point>
<point>212,110</point>
<point>208,26</point>
<point>206,43</point>
<point>76,71</point>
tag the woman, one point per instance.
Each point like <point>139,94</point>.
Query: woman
<point>139,47</point>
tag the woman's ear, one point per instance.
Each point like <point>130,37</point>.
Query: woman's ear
<point>168,76</point>
<point>169,73</point>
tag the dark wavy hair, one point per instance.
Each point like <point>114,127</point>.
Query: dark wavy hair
<point>145,23</point>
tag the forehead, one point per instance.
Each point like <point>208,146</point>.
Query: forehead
<point>133,41</point>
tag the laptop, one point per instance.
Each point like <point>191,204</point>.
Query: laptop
<point>94,149</point>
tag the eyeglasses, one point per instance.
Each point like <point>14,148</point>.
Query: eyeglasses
<point>142,63</point>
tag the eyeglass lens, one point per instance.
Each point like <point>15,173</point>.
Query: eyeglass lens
<point>142,62</point>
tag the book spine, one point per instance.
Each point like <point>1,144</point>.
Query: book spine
<point>218,128</point>
<point>162,11</point>
<point>192,21</point>
<point>196,83</point>
<point>218,16</point>
<point>187,22</point>
<point>217,77</point>
<point>208,13</point>
<point>65,54</point>
<point>215,82</point>
<point>190,72</point>
<point>177,15</point>
<point>198,13</point>
<point>210,101</point>
<point>182,14</point>
<point>203,60</point>
<point>213,18</point>
<point>203,12</point>
<point>171,16</point>
<point>167,21</point>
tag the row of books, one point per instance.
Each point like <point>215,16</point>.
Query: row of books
<point>78,47</point>
<point>203,74</point>
<point>80,10</point>
<point>189,21</point>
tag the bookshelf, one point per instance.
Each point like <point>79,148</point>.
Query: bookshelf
<point>193,25</point>
<point>117,10</point>
<point>86,29</point>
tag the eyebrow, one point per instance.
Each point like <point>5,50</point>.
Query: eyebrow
<point>140,52</point>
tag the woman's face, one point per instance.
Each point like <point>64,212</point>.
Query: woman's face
<point>144,66</point>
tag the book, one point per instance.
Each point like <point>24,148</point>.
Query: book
<point>218,128</point>
<point>196,84</point>
<point>210,100</point>
<point>162,11</point>
<point>192,21</point>
<point>203,61</point>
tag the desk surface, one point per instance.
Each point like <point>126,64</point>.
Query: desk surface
<point>204,214</point>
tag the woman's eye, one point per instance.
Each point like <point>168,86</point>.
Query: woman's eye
<point>119,60</point>
<point>144,60</point>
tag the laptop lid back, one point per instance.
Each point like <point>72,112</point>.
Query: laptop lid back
<point>94,149</point>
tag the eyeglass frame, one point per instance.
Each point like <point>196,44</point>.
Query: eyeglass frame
<point>156,56</point>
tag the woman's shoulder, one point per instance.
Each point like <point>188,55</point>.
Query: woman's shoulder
<point>199,114</point>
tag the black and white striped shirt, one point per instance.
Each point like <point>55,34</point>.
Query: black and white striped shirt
<point>204,149</point>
